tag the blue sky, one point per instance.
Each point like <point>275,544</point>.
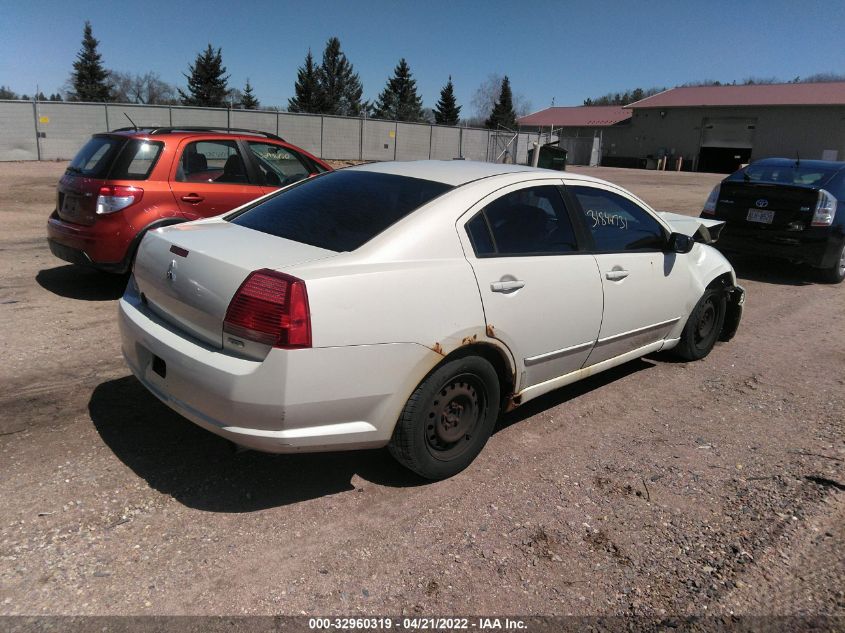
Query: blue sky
<point>567,50</point>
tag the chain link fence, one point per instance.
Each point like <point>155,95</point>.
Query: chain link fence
<point>49,130</point>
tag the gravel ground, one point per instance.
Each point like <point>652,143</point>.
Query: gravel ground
<point>658,488</point>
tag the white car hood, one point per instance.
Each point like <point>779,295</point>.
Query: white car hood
<point>703,229</point>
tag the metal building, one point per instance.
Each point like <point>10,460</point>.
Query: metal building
<point>577,129</point>
<point>718,128</point>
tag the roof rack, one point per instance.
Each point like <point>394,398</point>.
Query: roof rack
<point>189,128</point>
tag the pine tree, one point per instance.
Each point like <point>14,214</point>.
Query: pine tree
<point>503,114</point>
<point>55,97</point>
<point>447,111</point>
<point>207,81</point>
<point>399,100</point>
<point>88,79</point>
<point>308,95</point>
<point>340,86</point>
<point>248,100</point>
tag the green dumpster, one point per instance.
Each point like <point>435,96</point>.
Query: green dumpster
<point>551,157</point>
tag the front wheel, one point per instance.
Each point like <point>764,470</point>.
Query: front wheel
<point>703,326</point>
<point>448,419</point>
<point>836,273</point>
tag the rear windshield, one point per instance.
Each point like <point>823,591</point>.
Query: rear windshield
<point>804,174</point>
<point>116,158</point>
<point>341,210</point>
<point>96,156</point>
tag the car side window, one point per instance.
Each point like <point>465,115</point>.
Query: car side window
<point>212,162</point>
<point>617,223</point>
<point>530,221</point>
<point>278,166</point>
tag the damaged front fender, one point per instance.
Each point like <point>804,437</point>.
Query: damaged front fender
<point>733,312</point>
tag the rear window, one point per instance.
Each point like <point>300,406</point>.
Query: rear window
<point>804,174</point>
<point>95,157</point>
<point>116,158</point>
<point>341,210</point>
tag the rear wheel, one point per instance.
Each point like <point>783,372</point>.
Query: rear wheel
<point>448,419</point>
<point>703,326</point>
<point>836,273</point>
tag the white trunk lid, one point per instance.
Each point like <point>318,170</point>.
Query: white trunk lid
<point>188,273</point>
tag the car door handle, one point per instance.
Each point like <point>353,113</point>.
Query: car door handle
<point>192,198</point>
<point>506,286</point>
<point>616,275</point>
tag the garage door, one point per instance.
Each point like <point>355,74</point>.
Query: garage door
<point>728,132</point>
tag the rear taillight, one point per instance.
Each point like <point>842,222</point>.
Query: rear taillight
<point>270,308</point>
<point>116,197</point>
<point>712,199</point>
<point>825,209</point>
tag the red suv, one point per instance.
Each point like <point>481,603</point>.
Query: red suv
<point>126,182</point>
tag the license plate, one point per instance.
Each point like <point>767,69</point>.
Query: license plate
<point>761,215</point>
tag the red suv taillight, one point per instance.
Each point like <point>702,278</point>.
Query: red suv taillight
<point>270,308</point>
<point>116,197</point>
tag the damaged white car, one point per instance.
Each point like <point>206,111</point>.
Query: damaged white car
<point>408,304</point>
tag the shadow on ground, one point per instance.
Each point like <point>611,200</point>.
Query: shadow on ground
<point>85,284</point>
<point>772,271</point>
<point>202,470</point>
<point>571,392</point>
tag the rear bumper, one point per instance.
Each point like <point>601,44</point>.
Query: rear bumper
<point>817,246</point>
<point>103,245</point>
<point>319,399</point>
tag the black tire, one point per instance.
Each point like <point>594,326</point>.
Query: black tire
<point>448,419</point>
<point>703,326</point>
<point>836,273</point>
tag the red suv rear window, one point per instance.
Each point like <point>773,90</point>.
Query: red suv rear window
<point>116,158</point>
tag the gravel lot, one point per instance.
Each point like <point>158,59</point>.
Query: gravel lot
<point>659,488</point>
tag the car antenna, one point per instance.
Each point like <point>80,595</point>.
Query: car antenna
<point>131,121</point>
<point>797,159</point>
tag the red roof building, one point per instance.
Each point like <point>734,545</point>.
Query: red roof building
<point>577,116</point>
<point>719,128</point>
<point>810,94</point>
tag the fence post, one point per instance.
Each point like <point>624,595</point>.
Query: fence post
<point>37,136</point>
<point>170,114</point>
<point>277,124</point>
<point>460,142</point>
<point>106,108</point>
<point>395,137</point>
<point>321,136</point>
<point>430,137</point>
<point>361,141</point>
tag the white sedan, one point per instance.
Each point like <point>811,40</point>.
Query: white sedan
<point>408,304</point>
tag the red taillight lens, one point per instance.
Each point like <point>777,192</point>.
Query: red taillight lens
<point>270,308</point>
<point>116,197</point>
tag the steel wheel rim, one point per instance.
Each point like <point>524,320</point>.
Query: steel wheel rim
<point>842,262</point>
<point>706,322</point>
<point>454,415</point>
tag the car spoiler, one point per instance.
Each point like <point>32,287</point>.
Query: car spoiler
<point>700,229</point>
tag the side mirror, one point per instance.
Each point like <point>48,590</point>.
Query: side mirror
<point>680,243</point>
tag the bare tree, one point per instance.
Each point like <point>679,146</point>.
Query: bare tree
<point>487,94</point>
<point>148,88</point>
